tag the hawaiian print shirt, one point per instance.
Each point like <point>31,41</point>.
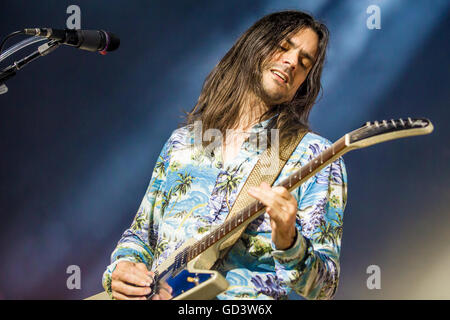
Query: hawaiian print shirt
<point>191,192</point>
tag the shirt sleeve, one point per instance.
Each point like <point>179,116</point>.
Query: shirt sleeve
<point>137,243</point>
<point>311,265</point>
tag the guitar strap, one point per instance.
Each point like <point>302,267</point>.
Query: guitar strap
<point>267,168</point>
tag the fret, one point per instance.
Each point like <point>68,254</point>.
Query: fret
<point>321,157</point>
<point>257,207</point>
<point>332,149</point>
<point>290,181</point>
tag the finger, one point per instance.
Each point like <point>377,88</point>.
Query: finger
<point>128,267</point>
<point>119,296</point>
<point>265,185</point>
<point>139,269</point>
<point>129,290</point>
<point>141,266</point>
<point>164,294</point>
<point>279,209</point>
<point>130,276</point>
<point>282,191</point>
<point>166,291</point>
<point>166,286</point>
<point>269,198</point>
<point>156,297</point>
<point>149,275</point>
<point>143,274</point>
<point>288,203</point>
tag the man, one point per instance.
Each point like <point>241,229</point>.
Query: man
<point>269,79</point>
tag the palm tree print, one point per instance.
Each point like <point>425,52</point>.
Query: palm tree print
<point>339,228</point>
<point>161,247</point>
<point>228,185</point>
<point>174,166</point>
<point>138,221</point>
<point>165,200</point>
<point>184,183</point>
<point>160,167</point>
<point>256,246</point>
<point>326,233</point>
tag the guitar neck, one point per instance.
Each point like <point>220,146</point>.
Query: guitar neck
<point>256,208</point>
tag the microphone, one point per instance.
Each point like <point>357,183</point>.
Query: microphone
<point>90,40</point>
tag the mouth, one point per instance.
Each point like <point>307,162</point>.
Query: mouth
<point>280,75</point>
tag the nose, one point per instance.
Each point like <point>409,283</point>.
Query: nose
<point>290,59</point>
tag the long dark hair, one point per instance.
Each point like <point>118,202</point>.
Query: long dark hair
<point>239,71</point>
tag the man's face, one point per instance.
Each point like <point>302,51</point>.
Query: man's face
<point>284,72</point>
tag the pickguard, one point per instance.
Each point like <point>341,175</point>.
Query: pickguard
<point>186,280</point>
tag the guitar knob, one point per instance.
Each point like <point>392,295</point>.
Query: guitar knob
<point>195,280</point>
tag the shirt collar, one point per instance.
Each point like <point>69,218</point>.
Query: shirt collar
<point>262,125</point>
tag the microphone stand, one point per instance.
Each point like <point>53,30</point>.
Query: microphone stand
<point>11,71</point>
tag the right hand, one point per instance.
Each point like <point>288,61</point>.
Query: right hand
<point>131,281</point>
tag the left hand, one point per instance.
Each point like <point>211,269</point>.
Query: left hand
<point>282,209</point>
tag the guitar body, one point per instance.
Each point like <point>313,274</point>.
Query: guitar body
<point>195,281</point>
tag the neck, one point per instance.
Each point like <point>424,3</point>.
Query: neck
<point>251,110</point>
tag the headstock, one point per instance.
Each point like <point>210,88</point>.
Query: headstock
<point>379,131</point>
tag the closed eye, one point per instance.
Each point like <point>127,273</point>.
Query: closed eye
<point>302,64</point>
<point>300,60</point>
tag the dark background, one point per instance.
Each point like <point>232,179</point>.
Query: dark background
<point>80,133</point>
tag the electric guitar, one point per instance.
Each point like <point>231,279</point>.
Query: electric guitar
<point>187,270</point>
